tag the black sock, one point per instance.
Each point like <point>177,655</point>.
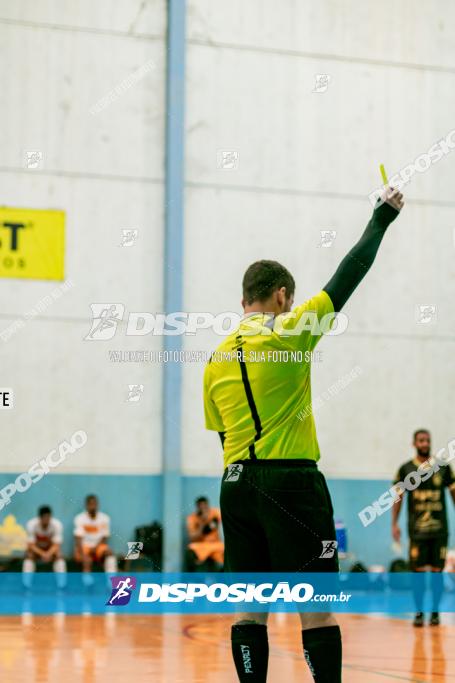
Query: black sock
<point>250,649</point>
<point>322,649</point>
<point>437,589</point>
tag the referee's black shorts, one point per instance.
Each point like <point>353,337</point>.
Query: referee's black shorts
<point>277,517</point>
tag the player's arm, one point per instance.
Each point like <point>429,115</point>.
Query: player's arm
<point>106,526</point>
<point>57,540</point>
<point>78,533</point>
<point>211,524</point>
<point>78,543</point>
<point>36,549</point>
<point>194,530</point>
<point>359,260</point>
<point>54,549</point>
<point>396,508</point>
<point>396,531</point>
<point>31,540</point>
<point>215,524</point>
<point>449,480</point>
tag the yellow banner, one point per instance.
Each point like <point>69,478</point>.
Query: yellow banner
<point>32,244</point>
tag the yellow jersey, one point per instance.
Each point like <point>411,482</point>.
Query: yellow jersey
<point>257,384</point>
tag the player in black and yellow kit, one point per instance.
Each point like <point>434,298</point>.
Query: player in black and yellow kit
<point>275,505</point>
<point>427,520</point>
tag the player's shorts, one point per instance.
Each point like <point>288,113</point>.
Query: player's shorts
<point>277,517</point>
<point>38,558</point>
<point>213,550</point>
<point>428,552</point>
<point>97,554</point>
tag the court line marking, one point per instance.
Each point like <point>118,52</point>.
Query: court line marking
<point>294,655</point>
<point>392,677</point>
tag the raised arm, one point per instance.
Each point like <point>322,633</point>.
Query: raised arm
<point>359,260</point>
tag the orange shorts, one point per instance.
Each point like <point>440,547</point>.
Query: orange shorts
<point>97,554</point>
<point>208,549</point>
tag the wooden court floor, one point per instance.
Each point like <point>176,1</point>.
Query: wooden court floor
<point>195,649</point>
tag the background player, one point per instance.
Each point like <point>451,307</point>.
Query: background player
<point>275,504</point>
<point>44,540</point>
<point>427,522</point>
<point>91,531</point>
<point>203,527</point>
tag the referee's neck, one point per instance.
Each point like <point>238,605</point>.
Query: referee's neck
<point>247,314</point>
<point>266,307</point>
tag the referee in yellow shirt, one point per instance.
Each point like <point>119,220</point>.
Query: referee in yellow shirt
<point>275,505</point>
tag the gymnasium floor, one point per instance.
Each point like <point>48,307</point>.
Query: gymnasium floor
<point>177,649</point>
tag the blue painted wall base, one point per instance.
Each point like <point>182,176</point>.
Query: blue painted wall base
<point>135,500</point>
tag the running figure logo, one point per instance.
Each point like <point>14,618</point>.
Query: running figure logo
<point>234,472</point>
<point>134,550</point>
<point>135,392</point>
<point>228,159</point>
<point>122,587</point>
<point>328,549</point>
<point>327,238</point>
<point>129,237</point>
<point>426,313</point>
<point>322,83</point>
<point>105,320</point>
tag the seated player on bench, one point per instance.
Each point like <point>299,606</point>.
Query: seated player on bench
<point>206,546</point>
<point>44,540</point>
<point>91,532</point>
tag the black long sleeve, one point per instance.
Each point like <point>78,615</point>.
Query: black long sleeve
<point>359,260</point>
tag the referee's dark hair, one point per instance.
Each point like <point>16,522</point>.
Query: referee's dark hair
<point>263,278</point>
<point>420,431</point>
